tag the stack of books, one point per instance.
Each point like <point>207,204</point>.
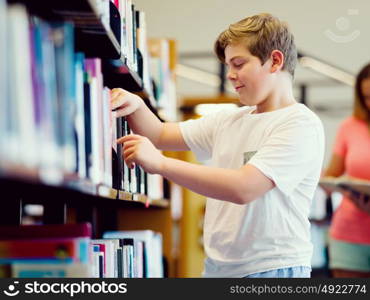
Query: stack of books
<point>36,251</point>
<point>141,252</point>
<point>45,251</point>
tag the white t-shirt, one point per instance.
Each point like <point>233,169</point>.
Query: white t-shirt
<point>273,231</point>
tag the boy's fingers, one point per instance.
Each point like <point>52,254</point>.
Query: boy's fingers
<point>129,144</point>
<point>130,160</point>
<point>118,102</point>
<point>122,111</point>
<point>117,91</point>
<point>127,138</point>
<point>128,152</point>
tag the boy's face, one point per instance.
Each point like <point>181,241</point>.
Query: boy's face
<point>250,79</point>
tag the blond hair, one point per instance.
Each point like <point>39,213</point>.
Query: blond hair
<point>261,34</point>
<point>360,110</point>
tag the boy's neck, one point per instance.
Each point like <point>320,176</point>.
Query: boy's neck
<point>280,97</point>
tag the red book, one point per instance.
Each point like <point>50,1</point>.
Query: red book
<point>43,248</point>
<point>45,231</point>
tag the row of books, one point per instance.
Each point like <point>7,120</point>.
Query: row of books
<point>55,112</point>
<point>134,43</point>
<point>129,24</point>
<point>131,35</point>
<point>153,60</point>
<point>162,66</point>
<point>68,251</point>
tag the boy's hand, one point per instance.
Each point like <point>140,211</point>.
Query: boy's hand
<point>140,150</point>
<point>124,102</point>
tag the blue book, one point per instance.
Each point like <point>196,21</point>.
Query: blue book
<point>63,41</point>
<point>45,80</point>
<point>79,59</point>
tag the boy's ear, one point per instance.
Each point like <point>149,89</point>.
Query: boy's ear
<point>277,59</point>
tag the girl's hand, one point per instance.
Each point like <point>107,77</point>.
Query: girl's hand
<point>361,200</point>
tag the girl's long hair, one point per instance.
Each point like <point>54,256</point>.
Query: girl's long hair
<point>360,110</point>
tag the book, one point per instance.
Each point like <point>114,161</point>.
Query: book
<point>93,68</point>
<point>75,270</point>
<point>45,231</point>
<point>139,260</point>
<point>110,251</point>
<point>346,183</point>
<point>87,125</point>
<point>3,82</point>
<point>21,132</point>
<point>80,116</point>
<point>46,101</point>
<point>45,250</point>
<point>63,41</point>
<point>153,249</point>
<point>142,44</point>
<point>126,169</point>
<point>107,137</point>
<point>121,170</point>
<point>128,256</point>
<point>98,257</point>
<point>62,249</point>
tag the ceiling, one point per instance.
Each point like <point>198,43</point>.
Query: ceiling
<point>334,31</point>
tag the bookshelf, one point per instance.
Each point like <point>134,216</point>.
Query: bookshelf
<point>67,197</point>
<point>93,36</point>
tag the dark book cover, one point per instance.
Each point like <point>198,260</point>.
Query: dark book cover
<point>88,136</point>
<point>120,133</point>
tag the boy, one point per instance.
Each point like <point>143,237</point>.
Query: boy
<point>266,157</point>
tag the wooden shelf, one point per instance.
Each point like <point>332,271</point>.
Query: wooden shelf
<point>24,177</point>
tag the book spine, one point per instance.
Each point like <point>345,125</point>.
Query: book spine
<point>50,270</point>
<point>127,171</point>
<point>121,169</point>
<point>80,116</point>
<point>63,41</point>
<point>22,130</point>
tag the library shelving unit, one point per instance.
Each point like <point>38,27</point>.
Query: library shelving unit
<point>71,199</point>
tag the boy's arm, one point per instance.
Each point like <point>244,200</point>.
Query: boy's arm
<point>239,186</point>
<point>165,136</point>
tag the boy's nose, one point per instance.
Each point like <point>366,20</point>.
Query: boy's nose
<point>231,75</point>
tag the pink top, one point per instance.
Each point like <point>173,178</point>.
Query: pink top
<point>349,223</point>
